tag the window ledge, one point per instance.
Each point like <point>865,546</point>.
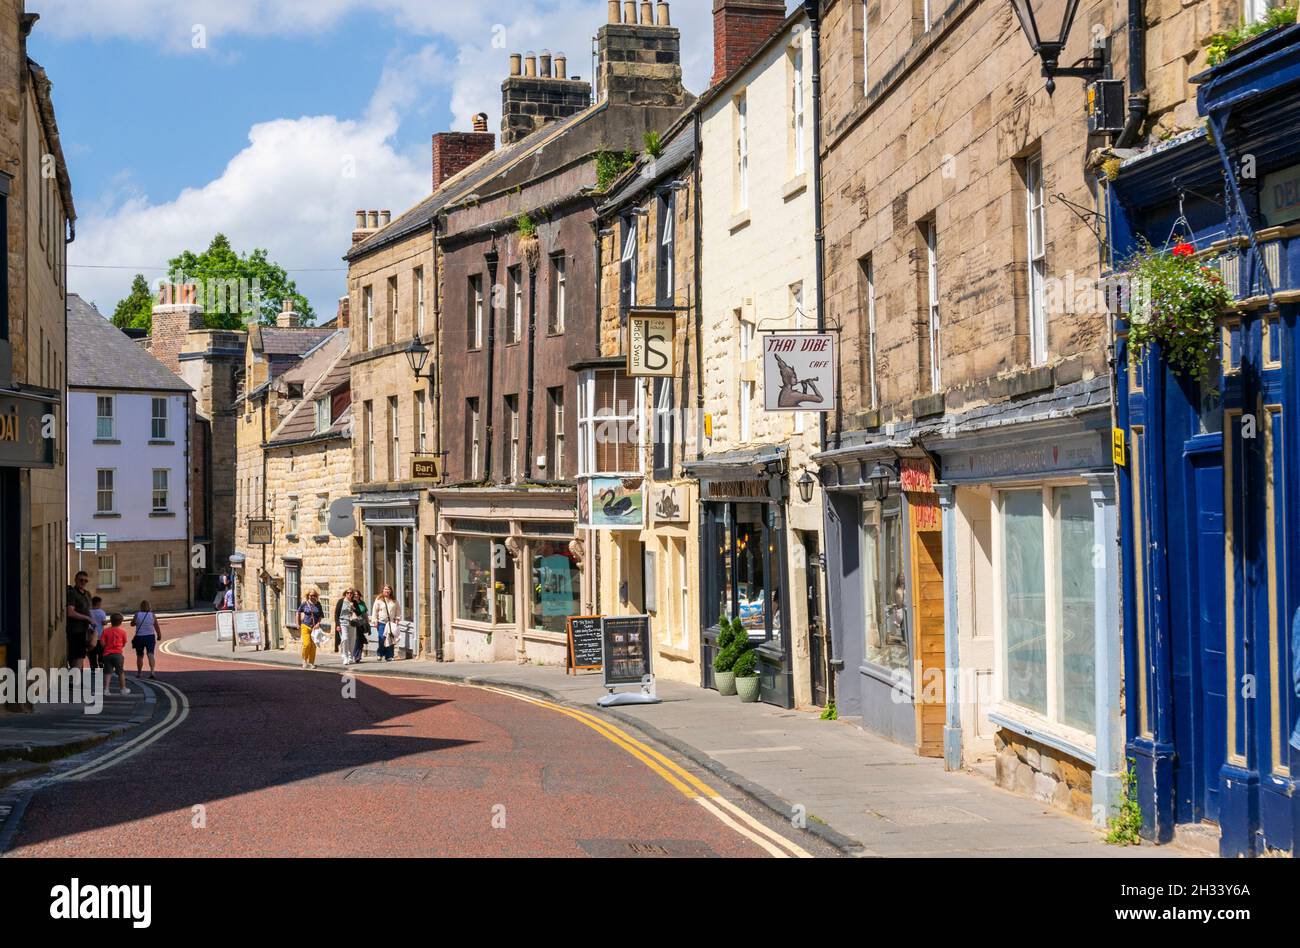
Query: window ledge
<point>795,186</point>
<point>291,538</point>
<point>321,538</point>
<point>162,442</point>
<point>106,441</point>
<point>162,586</point>
<point>738,221</point>
<point>1036,728</point>
<point>108,516</point>
<point>162,513</point>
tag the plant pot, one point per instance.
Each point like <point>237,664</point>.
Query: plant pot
<point>747,688</point>
<point>726,682</point>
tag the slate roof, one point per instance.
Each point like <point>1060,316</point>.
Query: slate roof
<point>101,356</point>
<point>321,373</point>
<point>277,341</point>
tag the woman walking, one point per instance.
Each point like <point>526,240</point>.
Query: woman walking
<point>345,617</point>
<point>384,617</point>
<point>310,615</point>
<point>360,625</point>
<point>147,633</point>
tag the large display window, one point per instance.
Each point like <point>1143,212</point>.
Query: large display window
<point>888,637</point>
<point>556,591</point>
<point>745,576</point>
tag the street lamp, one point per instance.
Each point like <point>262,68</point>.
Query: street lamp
<point>880,477</point>
<point>417,354</point>
<point>1048,40</point>
<point>805,485</point>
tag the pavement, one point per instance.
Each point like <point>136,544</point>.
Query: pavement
<point>859,793</point>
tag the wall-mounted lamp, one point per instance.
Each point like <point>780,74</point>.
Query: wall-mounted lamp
<point>1047,39</point>
<point>417,355</point>
<point>806,483</point>
<point>881,477</point>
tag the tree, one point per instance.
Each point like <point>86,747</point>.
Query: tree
<point>135,311</point>
<point>238,288</point>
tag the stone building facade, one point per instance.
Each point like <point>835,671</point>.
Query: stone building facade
<point>39,217</point>
<point>975,381</point>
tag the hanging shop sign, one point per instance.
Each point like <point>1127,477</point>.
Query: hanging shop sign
<point>616,503</point>
<point>584,634</point>
<point>625,649</point>
<point>1279,197</point>
<point>425,468</point>
<point>28,428</point>
<point>670,505</point>
<point>260,532</point>
<point>799,372</point>
<point>651,344</point>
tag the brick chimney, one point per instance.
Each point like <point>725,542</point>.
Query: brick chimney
<point>640,58</point>
<point>740,27</point>
<point>288,319</point>
<point>344,319</point>
<point>532,98</point>
<point>179,311</point>
<point>453,152</point>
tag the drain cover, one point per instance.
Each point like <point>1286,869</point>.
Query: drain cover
<point>646,848</point>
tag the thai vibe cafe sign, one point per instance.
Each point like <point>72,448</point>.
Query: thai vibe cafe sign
<point>799,372</point>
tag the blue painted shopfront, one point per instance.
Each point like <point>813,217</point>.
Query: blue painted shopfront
<point>1210,494</point>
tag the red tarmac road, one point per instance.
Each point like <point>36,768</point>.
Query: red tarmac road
<point>278,762</point>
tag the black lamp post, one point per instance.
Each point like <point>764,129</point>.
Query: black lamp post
<point>417,354</point>
<point>1047,37</point>
<point>806,483</point>
<point>881,476</point>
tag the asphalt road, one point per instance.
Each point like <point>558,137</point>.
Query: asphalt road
<point>245,760</point>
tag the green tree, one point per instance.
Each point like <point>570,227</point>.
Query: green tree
<point>135,311</point>
<point>226,277</point>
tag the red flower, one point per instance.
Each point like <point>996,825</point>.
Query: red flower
<point>1183,249</point>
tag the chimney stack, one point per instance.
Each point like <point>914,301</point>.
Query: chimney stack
<point>453,152</point>
<point>345,313</point>
<point>740,27</point>
<point>288,319</point>
<point>178,312</point>
<point>367,224</point>
<point>640,60</point>
<point>532,97</point>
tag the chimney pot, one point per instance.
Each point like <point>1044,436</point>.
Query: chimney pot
<point>530,65</point>
<point>662,17</point>
<point>516,64</point>
<point>647,10</point>
<point>629,12</point>
<point>361,220</point>
<point>613,12</point>
<point>385,218</point>
<point>561,66</point>
<point>481,122</point>
<point>545,60</point>
<point>374,220</point>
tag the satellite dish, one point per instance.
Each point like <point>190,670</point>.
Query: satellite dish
<point>343,520</point>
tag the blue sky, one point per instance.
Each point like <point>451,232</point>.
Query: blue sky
<point>274,120</point>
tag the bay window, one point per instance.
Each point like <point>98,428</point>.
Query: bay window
<point>610,432</point>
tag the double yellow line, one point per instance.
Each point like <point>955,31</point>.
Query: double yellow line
<point>675,775</point>
<point>178,710</point>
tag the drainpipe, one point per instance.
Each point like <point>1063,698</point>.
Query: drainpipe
<point>1137,76</point>
<point>491,306</point>
<point>699,296</point>
<point>532,360</point>
<point>435,591</point>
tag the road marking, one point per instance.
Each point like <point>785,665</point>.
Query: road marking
<point>672,773</point>
<point>178,710</point>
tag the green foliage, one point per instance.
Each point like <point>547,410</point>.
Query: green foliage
<point>524,224</point>
<point>1221,45</point>
<point>221,263</point>
<point>135,310</point>
<point>611,164</point>
<point>745,664</point>
<point>654,144</point>
<point>1125,828</point>
<point>1176,301</point>
<point>733,643</point>
<point>830,714</point>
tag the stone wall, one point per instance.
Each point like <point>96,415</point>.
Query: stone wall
<point>1027,767</point>
<point>135,576</point>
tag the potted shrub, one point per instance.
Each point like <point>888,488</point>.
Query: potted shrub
<point>746,674</point>
<point>726,658</point>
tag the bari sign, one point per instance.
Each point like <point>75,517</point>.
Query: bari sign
<point>799,372</point>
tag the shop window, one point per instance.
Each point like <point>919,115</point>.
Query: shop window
<point>749,568</point>
<point>609,428</point>
<point>485,581</point>
<point>1049,603</point>
<point>556,591</point>
<point>391,564</point>
<point>888,642</point>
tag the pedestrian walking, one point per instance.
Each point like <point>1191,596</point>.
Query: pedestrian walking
<point>384,617</point>
<point>338,628</point>
<point>78,622</point>
<point>345,632</point>
<point>360,625</point>
<point>148,631</point>
<point>114,642</point>
<point>94,647</point>
<point>310,615</point>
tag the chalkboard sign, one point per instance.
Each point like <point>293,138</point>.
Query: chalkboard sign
<point>626,641</point>
<point>584,643</point>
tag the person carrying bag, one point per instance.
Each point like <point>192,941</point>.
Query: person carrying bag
<point>385,616</point>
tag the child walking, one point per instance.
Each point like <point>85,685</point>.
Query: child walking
<point>113,642</point>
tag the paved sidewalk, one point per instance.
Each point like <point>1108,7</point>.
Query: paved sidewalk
<point>29,741</point>
<point>863,794</point>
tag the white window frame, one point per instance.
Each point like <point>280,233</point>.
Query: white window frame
<point>557,446</point>
<point>476,438</point>
<point>421,423</point>
<point>797,107</point>
<point>628,260</point>
<point>322,515</point>
<point>1036,237</point>
<point>866,50</point>
<point>324,414</point>
<point>292,520</point>
<point>110,491</point>
<point>419,301</point>
<point>746,334</point>
<point>1254,11</point>
<point>104,423</point>
<point>742,152</point>
<point>162,569</point>
<point>932,302</point>
<point>512,435</point>
<point>158,419</point>
<point>476,287</point>
<point>668,244</point>
<point>368,413</point>
<point>516,277</point>
<point>871,332</point>
<point>589,424</point>
<point>100,571</point>
<point>560,263</point>
<point>393,295</point>
<point>394,438</point>
<point>925,14</point>
<point>368,309</point>
<point>1052,722</point>
<point>161,496</point>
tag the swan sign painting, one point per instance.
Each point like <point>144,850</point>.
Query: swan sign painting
<point>799,372</point>
<point>617,503</point>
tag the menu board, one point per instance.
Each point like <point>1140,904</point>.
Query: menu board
<point>626,641</point>
<point>584,643</point>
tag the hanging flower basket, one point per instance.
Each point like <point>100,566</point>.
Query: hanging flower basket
<point>1175,302</point>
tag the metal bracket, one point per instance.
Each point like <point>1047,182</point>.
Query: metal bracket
<point>1093,220</point>
<point>1237,210</point>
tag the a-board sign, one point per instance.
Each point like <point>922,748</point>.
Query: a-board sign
<point>248,628</point>
<point>584,643</point>
<point>625,644</point>
<point>225,626</point>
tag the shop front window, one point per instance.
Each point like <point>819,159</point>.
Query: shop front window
<point>888,643</point>
<point>485,581</point>
<point>751,568</point>
<point>391,564</point>
<point>1024,599</point>
<point>744,579</point>
<point>556,585</point>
